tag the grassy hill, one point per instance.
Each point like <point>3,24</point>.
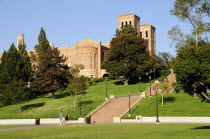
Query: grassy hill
<point>46,107</point>
<point>180,104</point>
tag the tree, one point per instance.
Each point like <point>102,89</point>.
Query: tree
<point>127,57</point>
<point>16,92</point>
<point>127,29</point>
<point>182,40</point>
<point>192,66</point>
<point>74,70</point>
<point>195,13</point>
<point>52,73</point>
<point>14,76</point>
<point>77,86</point>
<point>162,89</point>
<point>166,57</point>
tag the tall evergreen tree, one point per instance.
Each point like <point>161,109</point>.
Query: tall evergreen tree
<point>14,76</point>
<point>52,72</point>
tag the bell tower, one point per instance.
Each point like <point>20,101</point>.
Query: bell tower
<point>129,19</point>
<point>20,39</point>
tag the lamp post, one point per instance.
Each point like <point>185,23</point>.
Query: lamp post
<point>139,84</point>
<point>106,89</point>
<point>157,120</point>
<point>129,102</point>
<point>150,85</point>
<point>80,108</point>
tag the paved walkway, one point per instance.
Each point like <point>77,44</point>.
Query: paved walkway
<point>114,108</point>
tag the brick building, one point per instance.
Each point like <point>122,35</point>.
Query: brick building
<point>92,54</point>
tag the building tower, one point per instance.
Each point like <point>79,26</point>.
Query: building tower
<point>129,19</point>
<point>20,39</point>
<point>147,32</point>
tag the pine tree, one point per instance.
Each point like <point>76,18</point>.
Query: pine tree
<point>14,76</point>
<point>52,73</point>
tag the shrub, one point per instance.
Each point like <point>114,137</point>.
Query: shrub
<point>96,80</point>
<point>90,82</point>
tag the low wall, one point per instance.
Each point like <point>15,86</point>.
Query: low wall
<point>140,119</point>
<point>42,121</point>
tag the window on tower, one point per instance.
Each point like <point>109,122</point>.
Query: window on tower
<point>130,22</point>
<point>146,33</point>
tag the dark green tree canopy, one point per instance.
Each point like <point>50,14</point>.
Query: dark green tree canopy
<point>128,56</point>
<point>192,66</point>
<point>15,74</point>
<point>52,73</point>
<point>43,42</point>
<point>127,29</point>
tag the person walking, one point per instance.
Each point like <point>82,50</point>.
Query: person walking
<point>66,118</point>
<point>60,115</point>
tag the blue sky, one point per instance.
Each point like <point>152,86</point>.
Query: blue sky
<point>70,21</point>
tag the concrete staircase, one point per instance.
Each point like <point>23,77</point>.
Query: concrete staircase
<point>115,107</point>
<point>118,106</point>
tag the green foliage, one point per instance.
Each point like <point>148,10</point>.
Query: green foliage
<point>127,57</point>
<point>77,86</point>
<point>166,57</point>
<point>74,70</point>
<point>52,72</point>
<point>15,75</point>
<point>195,12</point>
<point>96,80</point>
<point>127,29</point>
<point>192,66</point>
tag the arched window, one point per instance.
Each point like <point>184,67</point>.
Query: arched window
<point>146,33</point>
<point>126,22</point>
<point>130,22</point>
<point>140,34</point>
<point>122,24</point>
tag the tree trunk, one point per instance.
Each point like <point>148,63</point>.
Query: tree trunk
<point>19,107</point>
<point>53,95</point>
<point>74,103</point>
<point>196,38</point>
<point>126,81</point>
<point>162,101</point>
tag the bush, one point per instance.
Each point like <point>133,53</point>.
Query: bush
<point>177,87</point>
<point>90,82</point>
<point>85,78</point>
<point>96,80</point>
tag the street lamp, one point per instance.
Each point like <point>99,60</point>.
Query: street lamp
<point>80,108</point>
<point>106,89</point>
<point>157,90</point>
<point>150,85</point>
<point>139,84</point>
<point>129,102</point>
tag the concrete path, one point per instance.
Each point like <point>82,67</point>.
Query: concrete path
<point>114,108</point>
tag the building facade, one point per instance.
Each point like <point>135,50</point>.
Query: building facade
<point>92,54</point>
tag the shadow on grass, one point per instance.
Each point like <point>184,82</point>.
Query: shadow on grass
<point>31,106</point>
<point>85,102</point>
<point>169,99</point>
<point>202,127</point>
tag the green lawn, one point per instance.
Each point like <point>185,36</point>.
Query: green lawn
<point>12,126</point>
<point>46,107</point>
<point>114,131</point>
<point>180,104</point>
